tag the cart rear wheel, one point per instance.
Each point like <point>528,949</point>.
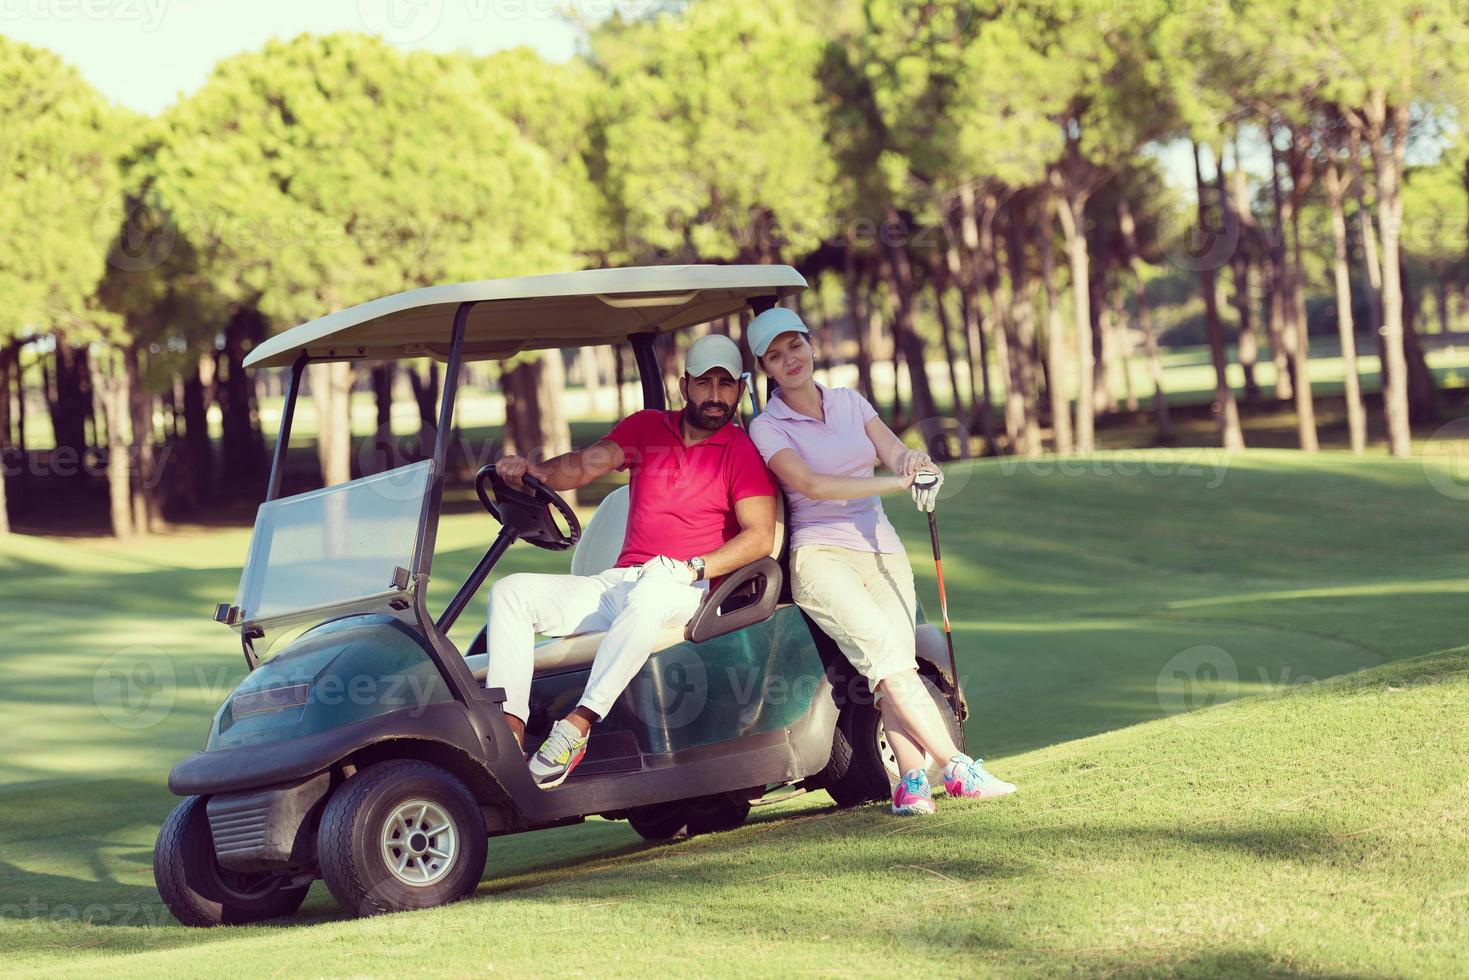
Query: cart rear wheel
<point>401,835</point>
<point>201,893</point>
<point>689,818</point>
<point>863,767</point>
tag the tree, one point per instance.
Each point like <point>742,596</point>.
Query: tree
<point>714,134</point>
<point>325,171</point>
<point>58,185</point>
<point>1378,64</point>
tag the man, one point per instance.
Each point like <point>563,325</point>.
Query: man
<point>702,505</point>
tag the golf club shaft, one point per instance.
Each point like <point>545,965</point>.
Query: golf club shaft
<point>938,567</point>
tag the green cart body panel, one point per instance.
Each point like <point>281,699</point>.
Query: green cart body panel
<point>336,674</point>
<point>758,679</point>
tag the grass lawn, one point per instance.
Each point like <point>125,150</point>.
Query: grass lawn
<point>1232,691</point>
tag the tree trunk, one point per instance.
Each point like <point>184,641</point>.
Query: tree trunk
<point>858,317</point>
<point>1055,336</point>
<point>110,382</point>
<point>69,397</point>
<point>241,447</point>
<point>9,354</point>
<point>144,479</point>
<point>1346,330</point>
<point>977,327</point>
<point>535,419</point>
<point>1000,329</point>
<point>1282,341</point>
<point>382,391</point>
<point>979,382</point>
<point>1388,149</point>
<point>1102,401</point>
<point>1371,260</point>
<point>426,395</point>
<point>1237,204</point>
<point>198,448</point>
<point>1226,412</point>
<point>1022,316</point>
<point>331,391</point>
<point>1422,392</point>
<point>940,286</point>
<point>1071,211</point>
<point>618,380</point>
<point>900,279</point>
<point>1122,347</point>
<point>1305,401</point>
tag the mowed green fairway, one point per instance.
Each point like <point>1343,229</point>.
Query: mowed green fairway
<point>1153,646</point>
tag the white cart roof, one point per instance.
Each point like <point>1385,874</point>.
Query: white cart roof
<point>567,309</point>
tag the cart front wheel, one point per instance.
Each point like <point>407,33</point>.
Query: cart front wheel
<point>201,893</point>
<point>401,835</point>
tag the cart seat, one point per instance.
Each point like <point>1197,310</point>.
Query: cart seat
<point>597,551</point>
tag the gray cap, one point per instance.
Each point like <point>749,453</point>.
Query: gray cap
<point>713,351</point>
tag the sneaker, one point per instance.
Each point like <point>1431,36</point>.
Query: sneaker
<point>964,776</point>
<point>912,797</point>
<point>558,755</point>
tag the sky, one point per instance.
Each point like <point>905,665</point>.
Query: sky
<point>144,53</point>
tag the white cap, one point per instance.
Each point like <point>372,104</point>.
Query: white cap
<point>713,351</point>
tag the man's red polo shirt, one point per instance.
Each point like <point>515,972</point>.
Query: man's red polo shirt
<point>683,496</point>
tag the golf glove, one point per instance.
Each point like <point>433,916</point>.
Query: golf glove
<point>925,489</point>
<point>667,568</point>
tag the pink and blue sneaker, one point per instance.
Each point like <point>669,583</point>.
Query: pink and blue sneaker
<point>964,776</point>
<point>912,797</point>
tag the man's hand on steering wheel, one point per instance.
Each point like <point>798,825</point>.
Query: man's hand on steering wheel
<point>512,468</point>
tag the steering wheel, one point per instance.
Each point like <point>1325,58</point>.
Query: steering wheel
<point>527,510</point>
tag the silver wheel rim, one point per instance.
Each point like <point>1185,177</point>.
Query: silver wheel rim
<point>419,842</point>
<point>887,755</point>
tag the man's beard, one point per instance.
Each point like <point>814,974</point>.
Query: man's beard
<point>695,416</point>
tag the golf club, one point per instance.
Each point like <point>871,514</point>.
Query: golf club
<point>923,481</point>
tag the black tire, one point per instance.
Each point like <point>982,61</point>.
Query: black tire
<point>201,893</point>
<point>351,844</point>
<point>689,818</point>
<point>869,771</point>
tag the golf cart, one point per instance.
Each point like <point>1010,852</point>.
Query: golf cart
<point>363,748</point>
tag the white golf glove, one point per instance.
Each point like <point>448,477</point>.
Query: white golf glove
<point>925,489</point>
<point>667,568</point>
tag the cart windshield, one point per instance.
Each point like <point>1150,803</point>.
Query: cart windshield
<point>319,551</point>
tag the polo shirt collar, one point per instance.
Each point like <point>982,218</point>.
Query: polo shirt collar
<point>777,406</point>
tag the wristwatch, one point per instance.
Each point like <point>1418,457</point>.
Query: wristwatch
<point>697,564</point>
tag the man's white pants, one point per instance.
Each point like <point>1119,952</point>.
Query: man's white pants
<point>632,611</point>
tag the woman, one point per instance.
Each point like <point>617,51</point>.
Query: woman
<point>849,571</point>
